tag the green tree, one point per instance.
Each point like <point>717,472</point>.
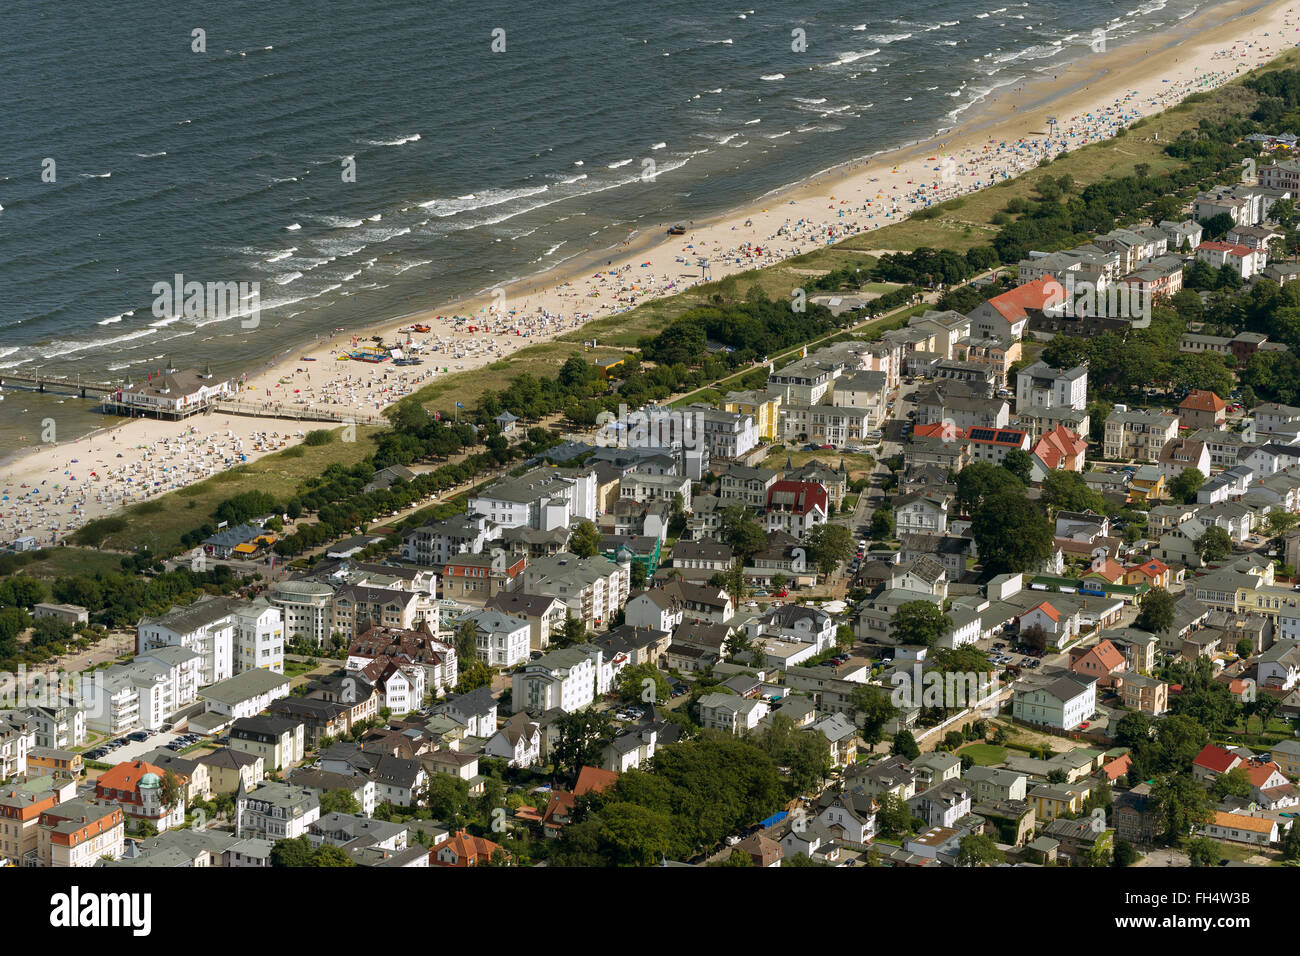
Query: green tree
<point>329,855</point>
<point>905,745</point>
<point>1157,611</point>
<point>739,529</point>
<point>1125,854</point>
<point>296,852</point>
<point>1065,352</point>
<point>829,545</point>
<point>1179,804</point>
<point>1067,491</point>
<point>634,683</point>
<point>467,642</point>
<point>447,798</point>
<point>919,622</point>
<point>1234,783</point>
<point>806,756</point>
<point>979,849</point>
<point>873,709</point>
<point>580,739</point>
<point>1202,851</point>
<point>1214,545</point>
<point>1291,843</point>
<point>1184,487</point>
<point>882,524</point>
<point>894,815</point>
<point>1020,463</point>
<point>339,801</point>
<point>585,540</point>
<point>980,480</point>
<point>1011,533</point>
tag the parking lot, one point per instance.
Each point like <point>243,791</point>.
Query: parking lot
<point>124,748</point>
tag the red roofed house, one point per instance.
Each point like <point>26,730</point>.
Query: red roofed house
<point>1103,661</point>
<point>1006,315</point>
<point>796,506</point>
<point>1155,573</point>
<point>1114,769</point>
<point>1202,409</point>
<point>594,780</point>
<point>1106,569</point>
<point>1060,626</point>
<point>1212,762</point>
<point>1269,787</point>
<point>945,430</point>
<point>1058,450</point>
<point>1243,260</point>
<point>464,850</point>
<point>136,787</point>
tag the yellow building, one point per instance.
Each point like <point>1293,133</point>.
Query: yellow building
<point>1148,484</point>
<point>763,407</point>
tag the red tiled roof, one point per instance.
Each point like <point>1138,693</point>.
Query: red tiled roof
<point>1057,444</point>
<point>1216,759</point>
<point>1260,772</point>
<point>593,779</point>
<point>1039,294</point>
<point>1047,609</point>
<point>1108,655</point>
<point>1237,250</point>
<point>1203,401</point>
<point>807,495</point>
<point>944,430</point>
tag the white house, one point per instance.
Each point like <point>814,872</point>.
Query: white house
<point>1064,703</point>
<point>735,715</point>
<point>564,678</point>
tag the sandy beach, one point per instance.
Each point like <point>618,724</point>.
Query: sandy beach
<point>53,489</point>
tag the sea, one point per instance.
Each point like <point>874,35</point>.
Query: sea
<point>363,159</point>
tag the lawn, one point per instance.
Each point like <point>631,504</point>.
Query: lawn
<point>985,755</point>
<point>61,562</point>
<point>160,522</point>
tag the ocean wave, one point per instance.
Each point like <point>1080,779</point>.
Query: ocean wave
<point>854,57</point>
<point>888,38</point>
<point>444,208</point>
<point>770,77</point>
<point>620,164</point>
<point>112,319</point>
<point>283,255</point>
<point>152,155</point>
<point>287,278</point>
<point>400,141</point>
<point>293,227</point>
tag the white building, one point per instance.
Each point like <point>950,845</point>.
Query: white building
<point>306,606</point>
<point>206,627</point>
<point>733,714</point>
<point>503,639</point>
<point>1041,386</point>
<point>542,499</point>
<point>564,678</point>
<point>259,637</point>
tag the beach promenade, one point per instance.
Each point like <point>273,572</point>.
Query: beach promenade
<point>54,489</point>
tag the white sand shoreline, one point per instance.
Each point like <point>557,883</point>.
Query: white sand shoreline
<point>1092,97</point>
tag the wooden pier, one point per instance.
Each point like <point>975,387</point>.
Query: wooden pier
<point>58,384</point>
